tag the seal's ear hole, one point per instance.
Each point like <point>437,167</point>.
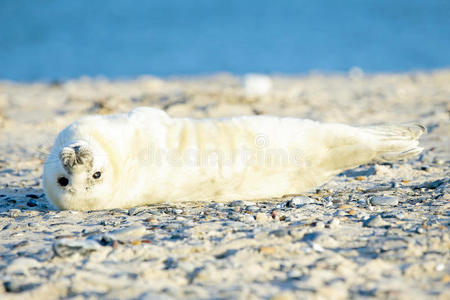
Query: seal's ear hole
<point>63,181</point>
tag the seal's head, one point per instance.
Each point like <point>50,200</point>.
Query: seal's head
<point>77,177</point>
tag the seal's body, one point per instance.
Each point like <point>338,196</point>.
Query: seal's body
<point>145,157</point>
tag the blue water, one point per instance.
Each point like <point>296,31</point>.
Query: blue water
<point>49,39</point>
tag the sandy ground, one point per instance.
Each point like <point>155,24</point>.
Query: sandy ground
<point>378,231</point>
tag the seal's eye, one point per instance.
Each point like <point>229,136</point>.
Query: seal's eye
<point>97,175</point>
<point>63,181</point>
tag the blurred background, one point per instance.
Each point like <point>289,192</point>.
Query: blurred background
<point>57,40</point>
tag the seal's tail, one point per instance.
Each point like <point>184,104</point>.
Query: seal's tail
<point>394,142</point>
<point>348,147</point>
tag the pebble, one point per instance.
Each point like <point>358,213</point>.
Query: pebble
<point>236,203</point>
<point>420,230</point>
<point>379,188</point>
<point>438,161</point>
<point>32,203</point>
<point>22,265</point>
<point>263,217</point>
<point>328,201</point>
<point>375,221</point>
<point>317,247</point>
<point>384,201</point>
<point>320,238</point>
<point>269,250</point>
<point>236,217</point>
<point>280,232</point>
<point>334,223</point>
<point>16,286</point>
<point>135,211</point>
<point>248,218</point>
<point>299,200</point>
<point>129,233</point>
<point>66,247</point>
<point>252,208</point>
<point>431,184</point>
<point>227,253</point>
<point>14,212</point>
<point>319,225</point>
<point>440,267</point>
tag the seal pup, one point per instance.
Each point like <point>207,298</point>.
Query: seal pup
<point>145,156</point>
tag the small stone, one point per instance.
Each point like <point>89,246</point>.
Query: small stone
<point>14,212</point>
<point>299,200</point>
<point>379,188</point>
<point>334,223</point>
<point>151,220</point>
<point>235,216</point>
<point>384,201</point>
<point>420,230</point>
<point>177,211</point>
<point>15,286</point>
<point>262,217</point>
<point>328,201</point>
<point>317,247</point>
<point>425,168</point>
<point>321,239</point>
<point>33,196</point>
<point>236,203</point>
<point>227,253</point>
<point>248,218</point>
<point>309,237</point>
<point>375,221</point>
<point>268,250</point>
<point>440,267</point>
<point>129,233</point>
<point>319,225</point>
<point>65,247</point>
<point>345,206</point>
<point>280,232</point>
<point>252,208</point>
<point>135,211</point>
<point>438,161</point>
<point>20,244</point>
<point>22,264</point>
<point>275,214</point>
<point>445,278</point>
<point>431,184</point>
<point>31,203</point>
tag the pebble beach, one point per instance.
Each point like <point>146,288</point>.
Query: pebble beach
<point>379,231</point>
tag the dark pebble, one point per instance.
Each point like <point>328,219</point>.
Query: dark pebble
<point>32,196</point>
<point>31,203</point>
<point>14,287</point>
<point>226,254</point>
<point>20,244</point>
<point>280,232</point>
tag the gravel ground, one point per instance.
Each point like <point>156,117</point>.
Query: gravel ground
<point>377,231</point>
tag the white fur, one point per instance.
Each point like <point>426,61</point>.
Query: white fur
<point>146,157</point>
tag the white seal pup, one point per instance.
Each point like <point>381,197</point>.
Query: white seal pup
<point>145,156</point>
